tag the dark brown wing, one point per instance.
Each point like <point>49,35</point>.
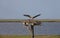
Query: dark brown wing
<point>27,15</point>
<point>36,15</point>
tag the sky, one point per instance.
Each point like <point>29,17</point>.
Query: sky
<point>14,9</point>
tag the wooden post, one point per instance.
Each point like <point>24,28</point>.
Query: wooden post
<point>32,31</point>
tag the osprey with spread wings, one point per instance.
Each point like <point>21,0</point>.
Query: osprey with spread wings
<point>31,21</point>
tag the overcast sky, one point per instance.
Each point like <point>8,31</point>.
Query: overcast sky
<point>14,9</point>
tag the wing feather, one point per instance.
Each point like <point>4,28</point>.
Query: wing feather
<point>27,15</point>
<point>36,15</point>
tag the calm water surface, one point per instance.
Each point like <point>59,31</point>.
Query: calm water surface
<point>47,28</point>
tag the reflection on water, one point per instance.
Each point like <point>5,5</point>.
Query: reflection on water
<point>19,29</point>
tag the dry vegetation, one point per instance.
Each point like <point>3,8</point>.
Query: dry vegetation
<point>19,20</point>
<point>25,36</point>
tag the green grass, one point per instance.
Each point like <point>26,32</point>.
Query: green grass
<point>27,36</point>
<point>20,20</point>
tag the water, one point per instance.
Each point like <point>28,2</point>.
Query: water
<point>47,28</point>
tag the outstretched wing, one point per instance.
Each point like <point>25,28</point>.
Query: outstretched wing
<point>36,15</point>
<point>27,15</point>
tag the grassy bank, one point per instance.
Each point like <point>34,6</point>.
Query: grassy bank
<point>27,36</point>
<point>19,20</point>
